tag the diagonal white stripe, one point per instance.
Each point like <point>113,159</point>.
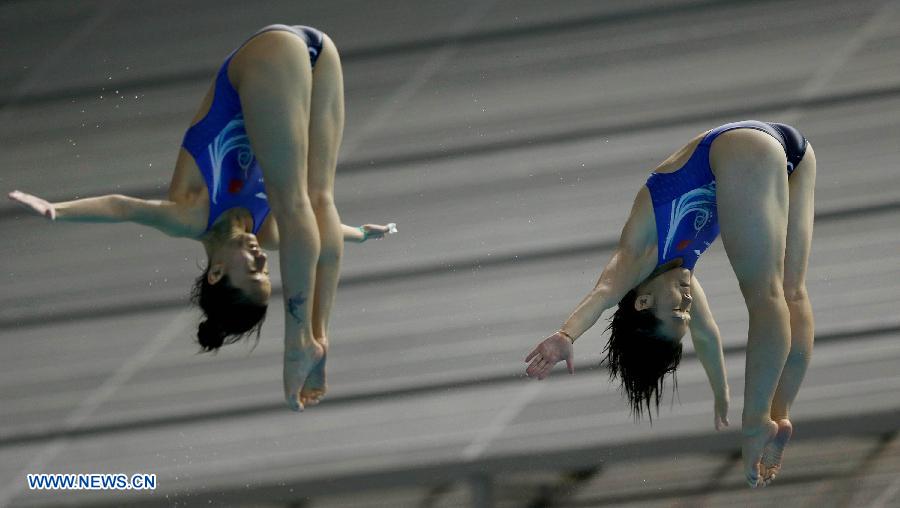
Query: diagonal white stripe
<point>506,416</point>
<point>89,404</point>
<point>839,58</point>
<point>40,72</point>
<point>402,95</point>
<point>888,495</point>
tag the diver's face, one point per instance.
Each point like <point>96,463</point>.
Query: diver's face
<point>247,267</point>
<point>668,295</point>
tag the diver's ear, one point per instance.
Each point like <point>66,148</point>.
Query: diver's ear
<point>643,302</point>
<point>216,272</point>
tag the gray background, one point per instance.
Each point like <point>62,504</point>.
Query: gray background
<point>507,139</point>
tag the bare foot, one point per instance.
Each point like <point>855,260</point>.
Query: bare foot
<point>754,441</point>
<point>298,364</point>
<point>774,451</point>
<point>315,386</point>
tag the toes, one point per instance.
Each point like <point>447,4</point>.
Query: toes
<point>310,400</point>
<point>312,396</point>
<point>774,451</point>
<point>295,404</point>
<point>753,448</point>
<point>771,472</point>
<point>752,481</point>
<point>754,476</point>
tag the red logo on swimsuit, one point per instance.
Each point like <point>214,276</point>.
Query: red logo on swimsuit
<point>684,244</point>
<point>235,186</point>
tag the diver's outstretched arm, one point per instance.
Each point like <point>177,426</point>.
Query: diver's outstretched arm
<point>365,232</point>
<point>166,216</point>
<point>351,234</point>
<point>708,345</point>
<point>632,262</point>
<point>614,283</point>
<point>621,274</point>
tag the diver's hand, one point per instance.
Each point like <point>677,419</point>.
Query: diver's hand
<point>376,231</point>
<point>720,410</point>
<point>548,353</point>
<point>35,204</point>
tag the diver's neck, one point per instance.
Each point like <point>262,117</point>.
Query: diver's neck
<point>675,263</point>
<point>232,222</point>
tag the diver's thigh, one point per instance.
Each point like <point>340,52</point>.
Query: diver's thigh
<point>326,119</point>
<point>801,211</point>
<point>752,203</point>
<point>274,82</point>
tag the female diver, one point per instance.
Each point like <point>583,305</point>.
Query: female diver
<point>274,113</point>
<point>732,179</point>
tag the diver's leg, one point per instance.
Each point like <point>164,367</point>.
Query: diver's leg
<point>799,240</point>
<point>274,81</point>
<point>752,196</point>
<point>326,127</point>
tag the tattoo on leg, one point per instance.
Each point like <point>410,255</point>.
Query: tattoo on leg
<point>295,307</point>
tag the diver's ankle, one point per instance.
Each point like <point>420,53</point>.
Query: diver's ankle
<point>755,424</point>
<point>302,346</point>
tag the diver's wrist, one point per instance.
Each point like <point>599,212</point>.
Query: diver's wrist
<point>566,335</point>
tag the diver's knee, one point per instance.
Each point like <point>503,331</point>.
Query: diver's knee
<point>321,199</point>
<point>795,294</point>
<point>767,294</point>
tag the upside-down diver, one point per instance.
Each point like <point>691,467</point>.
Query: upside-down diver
<point>265,139</point>
<point>754,182</point>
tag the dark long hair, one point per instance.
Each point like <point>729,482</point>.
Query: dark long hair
<point>639,356</point>
<point>230,314</point>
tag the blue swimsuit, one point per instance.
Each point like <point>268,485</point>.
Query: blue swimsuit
<point>684,201</point>
<point>221,148</point>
